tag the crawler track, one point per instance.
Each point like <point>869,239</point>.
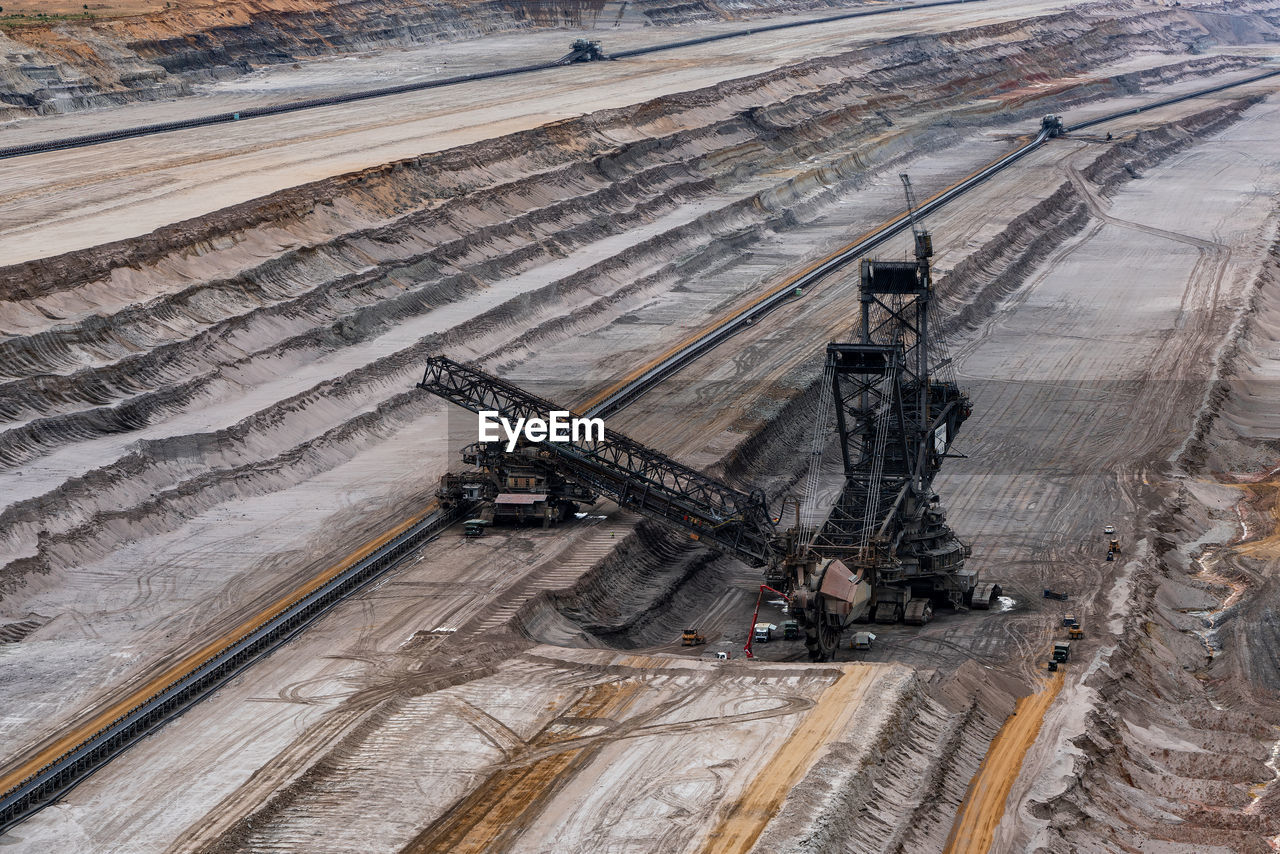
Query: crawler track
<point>61,765</point>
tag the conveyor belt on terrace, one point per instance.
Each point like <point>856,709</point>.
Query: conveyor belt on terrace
<point>60,764</point>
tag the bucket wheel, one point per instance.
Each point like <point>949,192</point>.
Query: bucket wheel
<point>821,640</point>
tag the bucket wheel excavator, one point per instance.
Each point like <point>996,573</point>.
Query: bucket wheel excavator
<point>884,551</point>
<point>897,410</point>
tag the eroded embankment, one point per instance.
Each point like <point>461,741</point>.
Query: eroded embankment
<point>872,84</point>
<point>323,310</point>
<point>93,59</point>
<point>1180,747</point>
<point>658,582</point>
<point>898,798</point>
<point>74,62</point>
<point>273,400</point>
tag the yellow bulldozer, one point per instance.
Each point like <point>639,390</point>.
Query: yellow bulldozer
<point>692,638</point>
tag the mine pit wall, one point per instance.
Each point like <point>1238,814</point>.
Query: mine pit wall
<point>650,587</point>
<point>161,484</point>
<point>380,202</point>
<point>1229,436</point>
<point>639,181</point>
<point>74,65</point>
<point>68,65</point>
<point>1177,746</point>
<point>1180,746</point>
<point>379,189</point>
<point>817,102</point>
<point>1201,638</point>
<point>630,600</point>
<point>1243,450</point>
<point>167,483</point>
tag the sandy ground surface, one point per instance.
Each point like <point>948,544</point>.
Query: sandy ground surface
<point>328,75</point>
<point>1191,236</point>
<point>62,201</point>
<point>69,7</point>
<point>1071,377</point>
<point>984,804</point>
<point>305,696</point>
<point>289,481</point>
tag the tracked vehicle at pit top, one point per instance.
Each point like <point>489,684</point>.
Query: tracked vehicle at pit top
<point>884,552</point>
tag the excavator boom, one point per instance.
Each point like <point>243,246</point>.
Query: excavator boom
<point>634,476</point>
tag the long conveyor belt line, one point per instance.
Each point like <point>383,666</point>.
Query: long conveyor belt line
<point>59,765</point>
<point>83,140</point>
<point>642,379</point>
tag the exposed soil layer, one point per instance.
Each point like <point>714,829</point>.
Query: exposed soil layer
<point>1191,716</point>
<point>358,278</point>
<point>1167,742</point>
<point>93,58</point>
<point>795,110</point>
<point>193,421</point>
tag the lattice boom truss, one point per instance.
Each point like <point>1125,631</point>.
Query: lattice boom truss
<point>636,477</point>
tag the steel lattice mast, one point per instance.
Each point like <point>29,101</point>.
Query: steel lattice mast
<point>895,424</point>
